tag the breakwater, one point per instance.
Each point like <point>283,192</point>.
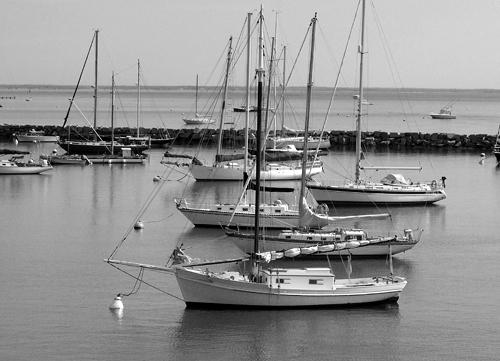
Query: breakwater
<point>236,137</point>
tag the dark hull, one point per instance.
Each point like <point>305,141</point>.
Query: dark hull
<point>100,148</point>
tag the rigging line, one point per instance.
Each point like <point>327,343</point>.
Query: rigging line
<point>147,283</point>
<point>137,284</point>
<point>335,87</point>
<point>90,125</point>
<point>160,220</point>
<point>142,210</point>
<point>78,82</point>
<point>280,99</point>
<point>392,62</point>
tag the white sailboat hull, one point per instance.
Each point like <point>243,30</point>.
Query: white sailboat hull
<point>364,194</point>
<point>213,217</point>
<point>203,290</point>
<point>298,142</point>
<point>24,170</point>
<point>230,172</point>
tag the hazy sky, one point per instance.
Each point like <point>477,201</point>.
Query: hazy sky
<point>434,43</point>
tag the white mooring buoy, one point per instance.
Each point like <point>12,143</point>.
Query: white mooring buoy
<point>483,157</point>
<point>117,303</point>
<point>156,178</point>
<point>139,225</point>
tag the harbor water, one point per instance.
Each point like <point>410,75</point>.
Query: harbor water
<point>58,227</point>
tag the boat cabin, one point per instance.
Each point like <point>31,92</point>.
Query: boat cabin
<point>316,279</point>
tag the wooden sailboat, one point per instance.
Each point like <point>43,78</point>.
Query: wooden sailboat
<point>197,119</point>
<point>94,147</point>
<point>273,287</point>
<point>393,189</point>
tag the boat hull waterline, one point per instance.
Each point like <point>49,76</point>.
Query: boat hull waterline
<point>230,172</point>
<point>366,195</point>
<point>200,289</point>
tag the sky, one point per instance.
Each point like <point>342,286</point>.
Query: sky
<point>417,43</point>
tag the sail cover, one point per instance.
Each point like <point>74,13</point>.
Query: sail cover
<point>394,179</point>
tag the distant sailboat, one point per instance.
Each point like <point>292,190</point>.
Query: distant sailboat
<point>197,119</point>
<point>95,147</point>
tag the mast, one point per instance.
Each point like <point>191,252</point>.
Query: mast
<point>196,98</point>
<point>78,84</point>
<point>95,77</point>
<point>361,51</point>
<point>138,94</point>
<point>283,90</point>
<point>247,109</point>
<point>273,40</point>
<point>112,113</point>
<point>219,141</point>
<point>260,76</point>
<point>306,125</point>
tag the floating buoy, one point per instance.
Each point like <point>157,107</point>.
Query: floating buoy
<point>483,157</point>
<point>117,303</point>
<point>139,225</point>
<point>156,178</point>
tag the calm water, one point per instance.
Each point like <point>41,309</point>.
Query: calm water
<point>58,227</point>
<point>391,110</point>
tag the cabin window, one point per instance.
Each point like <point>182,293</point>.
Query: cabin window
<point>277,211</point>
<point>323,238</point>
<point>261,210</point>
<point>359,238</point>
<point>288,237</point>
<point>219,208</point>
<point>309,238</point>
<point>231,208</point>
<point>245,209</point>
<point>315,281</point>
<point>282,280</point>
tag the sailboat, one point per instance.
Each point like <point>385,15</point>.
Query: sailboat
<point>277,215</point>
<point>273,287</point>
<point>225,168</point>
<point>392,189</point>
<point>126,156</point>
<point>339,241</point>
<point>197,119</point>
<point>496,147</point>
<point>95,147</point>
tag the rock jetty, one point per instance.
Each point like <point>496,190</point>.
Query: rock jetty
<point>236,137</point>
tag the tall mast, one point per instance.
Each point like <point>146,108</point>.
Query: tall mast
<point>306,125</point>
<point>247,109</point>
<point>283,90</point>
<point>260,76</point>
<point>219,141</point>
<point>196,98</point>
<point>138,93</point>
<point>112,113</point>
<point>360,93</point>
<point>95,77</point>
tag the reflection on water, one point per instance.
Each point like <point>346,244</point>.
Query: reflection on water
<point>285,334</point>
